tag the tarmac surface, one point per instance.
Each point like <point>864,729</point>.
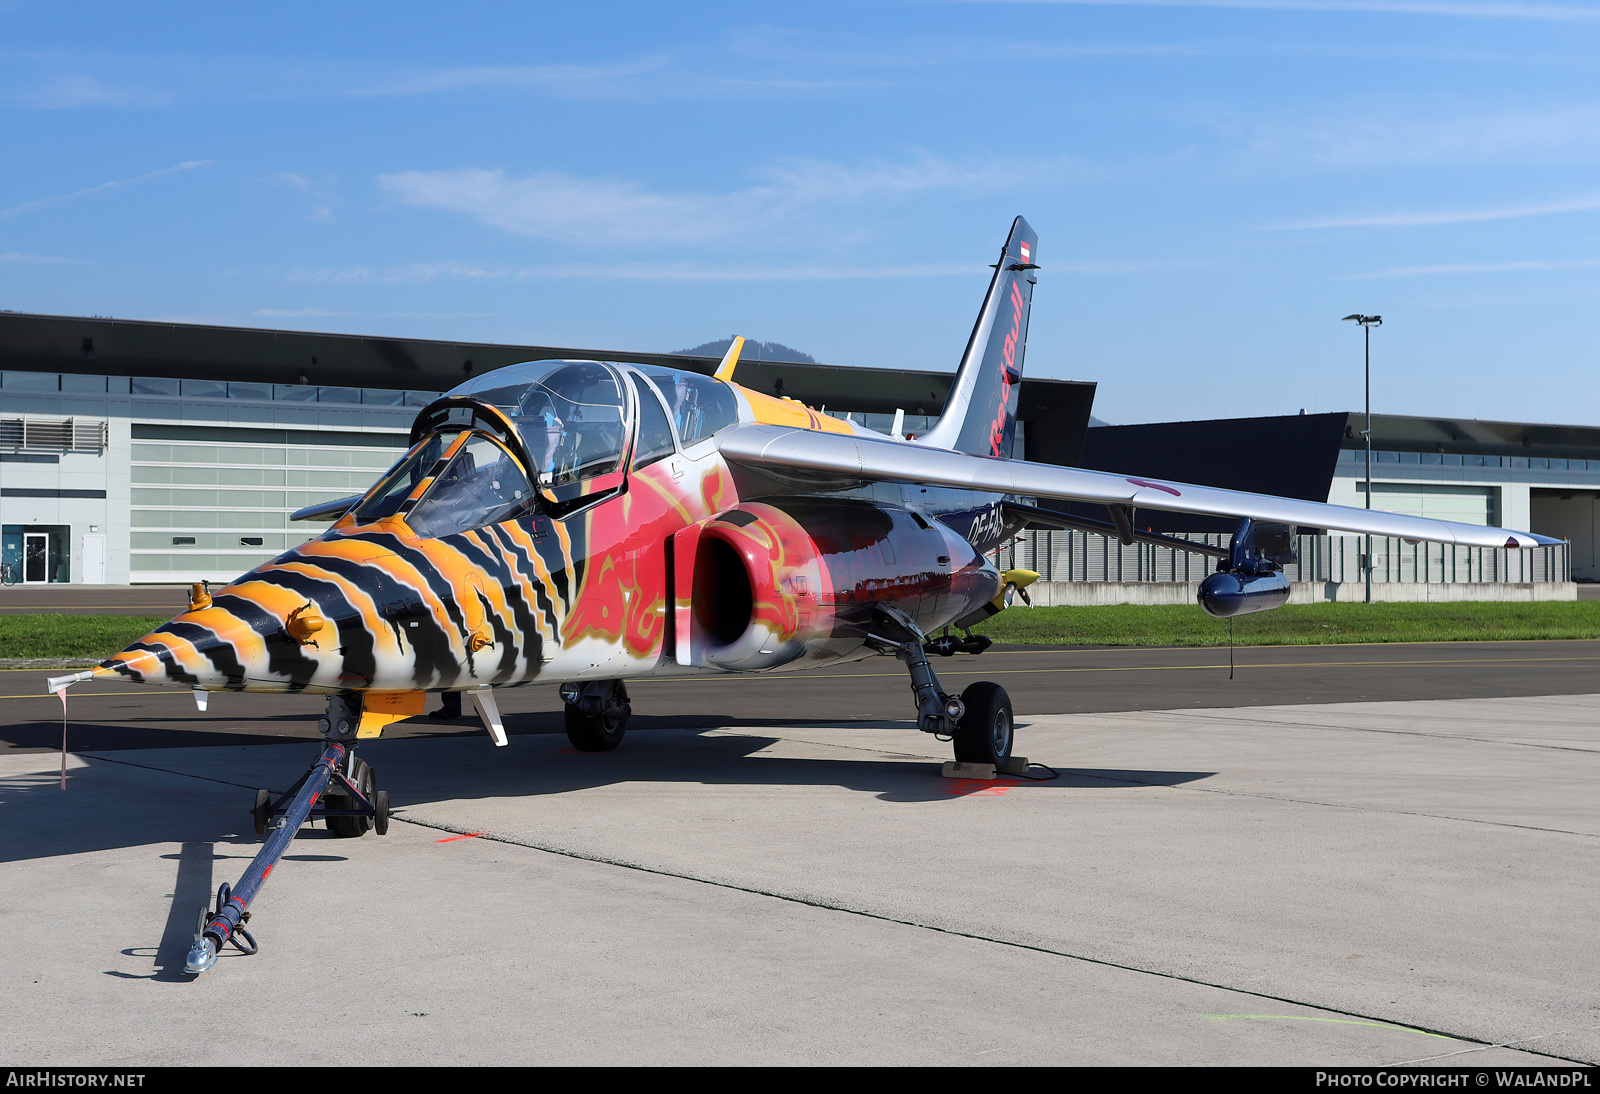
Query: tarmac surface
<point>1345,855</point>
<point>65,599</point>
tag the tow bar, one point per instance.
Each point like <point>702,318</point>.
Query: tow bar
<point>281,822</point>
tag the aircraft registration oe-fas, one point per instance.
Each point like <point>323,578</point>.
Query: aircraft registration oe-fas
<point>585,522</point>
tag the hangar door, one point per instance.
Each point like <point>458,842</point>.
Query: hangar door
<point>1464,504</point>
<point>1571,515</point>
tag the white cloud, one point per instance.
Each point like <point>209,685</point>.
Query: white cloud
<point>301,313</point>
<point>1467,10</point>
<point>349,275</point>
<point>1377,135</point>
<point>66,90</point>
<point>17,256</point>
<point>1526,266</point>
<point>567,78</point>
<point>319,313</point>
<point>423,272</point>
<point>569,209</point>
<point>1447,216</point>
<point>63,79</point>
<point>40,203</point>
<point>697,271</point>
<point>419,272</point>
<point>412,273</point>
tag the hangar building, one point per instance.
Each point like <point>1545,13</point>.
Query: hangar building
<point>136,452</point>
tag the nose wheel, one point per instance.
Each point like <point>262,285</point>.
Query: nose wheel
<point>350,804</point>
<point>359,815</point>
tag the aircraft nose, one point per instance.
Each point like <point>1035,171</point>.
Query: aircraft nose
<point>191,650</point>
<point>243,633</point>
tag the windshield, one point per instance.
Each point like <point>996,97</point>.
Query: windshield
<point>572,415</point>
<point>387,497</point>
<point>483,485</point>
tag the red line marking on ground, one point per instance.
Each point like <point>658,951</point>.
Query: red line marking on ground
<point>452,839</point>
<point>970,787</point>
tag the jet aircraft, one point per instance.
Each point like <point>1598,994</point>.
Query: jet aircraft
<point>585,523</point>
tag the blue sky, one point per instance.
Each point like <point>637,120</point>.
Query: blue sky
<point>1214,183</point>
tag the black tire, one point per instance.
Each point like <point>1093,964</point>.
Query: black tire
<point>380,803</point>
<point>600,732</point>
<point>986,732</point>
<point>360,773</point>
<point>262,811</point>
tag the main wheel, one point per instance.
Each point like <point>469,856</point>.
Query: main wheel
<point>361,774</point>
<point>600,732</point>
<point>984,734</point>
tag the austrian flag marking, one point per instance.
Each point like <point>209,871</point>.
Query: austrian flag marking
<point>1026,254</point>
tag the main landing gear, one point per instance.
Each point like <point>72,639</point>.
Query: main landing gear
<point>979,722</point>
<point>597,714</point>
<point>350,804</point>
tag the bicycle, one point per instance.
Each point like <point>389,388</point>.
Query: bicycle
<point>8,574</point>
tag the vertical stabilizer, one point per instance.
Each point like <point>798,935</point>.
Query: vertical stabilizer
<point>980,416</point>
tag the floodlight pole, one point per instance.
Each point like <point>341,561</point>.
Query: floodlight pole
<point>1367,322</point>
<point>1366,332</point>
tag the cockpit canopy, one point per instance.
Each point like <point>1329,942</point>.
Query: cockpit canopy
<point>573,420</point>
<point>572,415</point>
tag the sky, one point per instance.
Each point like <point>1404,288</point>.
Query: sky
<point>1215,183</point>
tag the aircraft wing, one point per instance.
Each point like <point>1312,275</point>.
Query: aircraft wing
<point>785,448</point>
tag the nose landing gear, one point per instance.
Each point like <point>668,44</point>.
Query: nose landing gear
<point>350,803</point>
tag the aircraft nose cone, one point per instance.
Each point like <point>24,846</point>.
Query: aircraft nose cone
<point>190,650</point>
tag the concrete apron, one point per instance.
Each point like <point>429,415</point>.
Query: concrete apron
<point>1352,883</point>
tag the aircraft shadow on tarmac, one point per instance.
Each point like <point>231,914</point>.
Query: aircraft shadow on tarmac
<point>734,757</point>
<point>39,820</point>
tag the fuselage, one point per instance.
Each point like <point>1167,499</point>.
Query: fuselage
<point>594,577</point>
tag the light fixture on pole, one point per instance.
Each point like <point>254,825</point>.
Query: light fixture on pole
<point>1367,322</point>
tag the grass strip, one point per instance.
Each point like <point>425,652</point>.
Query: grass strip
<point>96,636</point>
<point>1297,624</point>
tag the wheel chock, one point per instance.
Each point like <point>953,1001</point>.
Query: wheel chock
<point>954,769</point>
<point>1017,765</point>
